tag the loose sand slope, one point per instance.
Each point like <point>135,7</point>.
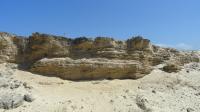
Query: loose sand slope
<point>156,92</point>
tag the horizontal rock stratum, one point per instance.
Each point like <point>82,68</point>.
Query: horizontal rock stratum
<point>84,58</point>
<point>95,68</point>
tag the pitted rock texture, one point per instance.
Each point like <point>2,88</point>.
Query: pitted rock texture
<point>12,91</point>
<point>96,68</point>
<point>171,67</point>
<point>39,46</point>
<point>8,50</point>
<point>11,100</point>
<point>29,53</point>
<point>139,43</point>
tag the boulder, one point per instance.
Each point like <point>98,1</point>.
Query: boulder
<point>29,98</point>
<point>11,100</point>
<point>12,91</point>
<point>171,67</point>
<point>86,69</point>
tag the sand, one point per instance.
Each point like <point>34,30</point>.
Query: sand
<point>156,92</point>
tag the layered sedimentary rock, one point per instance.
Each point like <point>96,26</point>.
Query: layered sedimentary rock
<point>138,43</point>
<point>8,50</point>
<point>95,68</point>
<point>105,57</point>
<point>39,46</point>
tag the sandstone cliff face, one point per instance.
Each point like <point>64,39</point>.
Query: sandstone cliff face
<point>138,43</point>
<point>105,57</point>
<point>41,45</point>
<point>8,50</point>
<point>95,68</point>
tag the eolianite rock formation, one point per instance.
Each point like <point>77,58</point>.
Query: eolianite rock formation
<point>85,59</point>
<point>47,73</point>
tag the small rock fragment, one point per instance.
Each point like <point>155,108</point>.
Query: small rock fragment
<point>27,86</point>
<point>190,110</point>
<point>29,98</point>
<point>153,91</point>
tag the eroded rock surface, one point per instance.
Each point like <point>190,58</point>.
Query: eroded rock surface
<point>8,50</point>
<point>96,68</point>
<point>11,100</point>
<point>12,91</point>
<point>171,67</point>
<point>90,59</point>
<point>29,52</point>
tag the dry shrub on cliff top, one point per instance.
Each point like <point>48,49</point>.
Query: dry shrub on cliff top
<point>82,43</point>
<point>104,42</point>
<point>3,44</point>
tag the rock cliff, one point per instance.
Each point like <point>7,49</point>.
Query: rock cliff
<point>94,68</point>
<point>8,50</point>
<point>85,58</point>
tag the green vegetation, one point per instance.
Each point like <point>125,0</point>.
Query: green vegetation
<point>80,40</point>
<point>135,38</point>
<point>103,39</point>
<point>3,44</point>
<point>82,43</point>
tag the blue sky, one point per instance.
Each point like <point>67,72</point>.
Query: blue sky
<point>173,23</point>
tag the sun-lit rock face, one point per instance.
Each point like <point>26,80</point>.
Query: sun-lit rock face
<point>139,43</point>
<point>8,50</point>
<point>42,45</point>
<point>39,46</point>
<point>94,68</point>
<point>105,57</point>
<point>104,42</point>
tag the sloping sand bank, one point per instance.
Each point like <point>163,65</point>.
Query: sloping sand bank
<point>156,92</point>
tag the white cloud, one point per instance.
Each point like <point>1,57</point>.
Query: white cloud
<point>163,45</point>
<point>184,46</point>
<point>180,46</point>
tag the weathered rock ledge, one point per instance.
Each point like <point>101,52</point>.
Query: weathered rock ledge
<point>96,68</point>
<point>84,58</point>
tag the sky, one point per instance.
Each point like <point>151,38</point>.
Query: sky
<point>174,23</point>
